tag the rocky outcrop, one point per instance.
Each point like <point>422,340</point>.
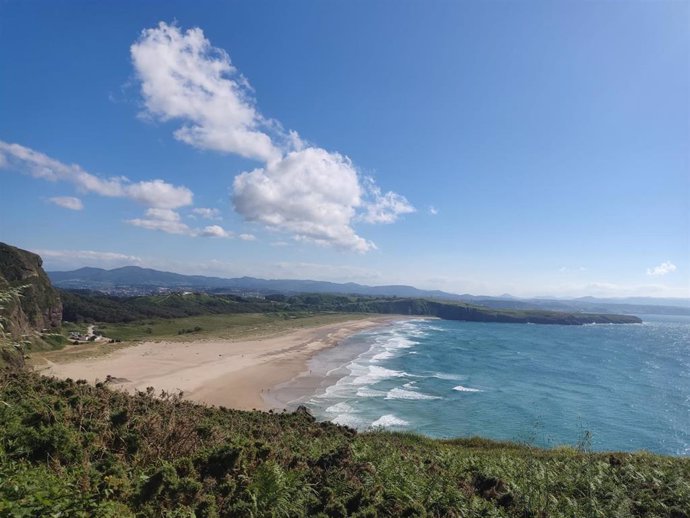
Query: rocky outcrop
<point>36,304</point>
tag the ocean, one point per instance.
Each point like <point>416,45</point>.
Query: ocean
<point>604,387</point>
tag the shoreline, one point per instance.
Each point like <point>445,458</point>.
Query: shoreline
<point>237,374</point>
<point>316,376</point>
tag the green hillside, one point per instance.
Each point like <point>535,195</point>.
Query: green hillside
<point>69,449</point>
<point>96,307</point>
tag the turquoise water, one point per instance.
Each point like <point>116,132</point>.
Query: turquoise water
<point>628,385</point>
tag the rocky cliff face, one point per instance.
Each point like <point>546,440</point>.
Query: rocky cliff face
<point>39,306</point>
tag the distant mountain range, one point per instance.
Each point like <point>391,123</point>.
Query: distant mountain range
<point>136,278</point>
<point>133,280</point>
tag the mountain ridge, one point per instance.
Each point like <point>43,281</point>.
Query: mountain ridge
<point>95,278</point>
<point>129,279</point>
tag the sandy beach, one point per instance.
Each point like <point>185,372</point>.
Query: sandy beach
<point>236,374</point>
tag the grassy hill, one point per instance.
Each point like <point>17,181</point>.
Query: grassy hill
<point>69,449</point>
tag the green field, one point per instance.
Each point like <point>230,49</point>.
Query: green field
<point>230,326</point>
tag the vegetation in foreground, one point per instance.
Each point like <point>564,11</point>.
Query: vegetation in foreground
<point>70,449</point>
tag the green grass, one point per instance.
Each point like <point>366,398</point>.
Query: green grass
<point>55,340</point>
<point>69,449</point>
<point>229,326</point>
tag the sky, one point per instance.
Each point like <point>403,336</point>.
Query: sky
<point>531,148</point>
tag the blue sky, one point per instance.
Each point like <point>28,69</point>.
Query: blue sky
<point>535,148</point>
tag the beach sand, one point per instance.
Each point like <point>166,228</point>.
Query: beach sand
<point>236,374</point>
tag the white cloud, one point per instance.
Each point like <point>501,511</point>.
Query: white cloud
<point>314,194</point>
<point>207,213</point>
<point>311,193</point>
<point>183,77</point>
<point>384,208</point>
<point>67,202</point>
<point>215,231</point>
<point>157,193</point>
<point>153,193</point>
<point>247,237</point>
<point>170,222</point>
<point>433,210</point>
<point>165,220</point>
<point>662,269</point>
<point>163,215</point>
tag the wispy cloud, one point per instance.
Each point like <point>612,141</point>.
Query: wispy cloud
<point>311,193</point>
<point>215,231</point>
<point>564,269</point>
<point>433,210</point>
<point>662,269</point>
<point>67,202</point>
<point>165,220</point>
<point>170,222</point>
<point>383,208</point>
<point>207,213</point>
<point>152,193</point>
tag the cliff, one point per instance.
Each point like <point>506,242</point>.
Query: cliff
<point>35,305</point>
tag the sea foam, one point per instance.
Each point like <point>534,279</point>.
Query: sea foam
<point>369,392</point>
<point>374,374</point>
<point>460,388</point>
<point>401,393</point>
<point>389,420</point>
<point>339,408</point>
<point>449,377</point>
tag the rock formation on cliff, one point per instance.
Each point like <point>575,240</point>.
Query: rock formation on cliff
<point>38,305</point>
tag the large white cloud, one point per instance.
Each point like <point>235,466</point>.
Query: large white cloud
<point>314,194</point>
<point>311,193</point>
<point>183,77</point>
<point>152,193</point>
